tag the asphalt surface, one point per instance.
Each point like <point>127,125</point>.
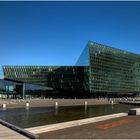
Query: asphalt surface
<point>120,128</point>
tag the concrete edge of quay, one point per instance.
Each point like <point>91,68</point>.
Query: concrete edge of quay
<point>63,125</point>
<point>19,130</point>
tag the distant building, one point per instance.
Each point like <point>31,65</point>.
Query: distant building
<point>101,71</point>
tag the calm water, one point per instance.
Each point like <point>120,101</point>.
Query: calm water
<point>49,115</point>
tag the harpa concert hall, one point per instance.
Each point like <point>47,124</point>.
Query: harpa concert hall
<point>100,71</point>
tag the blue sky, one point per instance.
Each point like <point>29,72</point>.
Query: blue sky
<point>55,33</point>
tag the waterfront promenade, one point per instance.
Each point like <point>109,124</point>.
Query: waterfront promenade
<point>64,125</point>
<point>132,102</point>
<point>127,127</point>
<point>11,103</point>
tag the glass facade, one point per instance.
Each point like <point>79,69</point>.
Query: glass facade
<point>68,78</point>
<point>15,89</point>
<point>84,60</point>
<point>100,71</point>
<point>10,89</point>
<point>111,71</point>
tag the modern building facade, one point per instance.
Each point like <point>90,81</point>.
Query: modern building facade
<point>100,71</point>
<point>19,90</point>
<point>110,70</point>
<point>62,79</point>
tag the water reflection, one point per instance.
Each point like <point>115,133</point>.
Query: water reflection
<point>56,110</point>
<point>27,108</point>
<point>31,117</point>
<point>85,109</point>
<point>3,109</point>
<point>112,106</point>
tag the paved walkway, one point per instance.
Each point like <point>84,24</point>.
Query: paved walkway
<point>130,102</point>
<point>63,125</point>
<point>7,133</point>
<point>51,102</point>
<point>127,127</point>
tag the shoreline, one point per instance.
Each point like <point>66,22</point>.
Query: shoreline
<point>52,102</point>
